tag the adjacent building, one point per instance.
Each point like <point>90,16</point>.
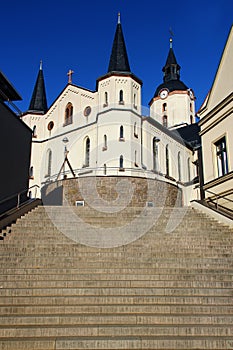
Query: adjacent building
<point>15,145</point>
<point>216,130</point>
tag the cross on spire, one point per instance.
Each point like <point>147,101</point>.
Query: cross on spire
<point>70,73</point>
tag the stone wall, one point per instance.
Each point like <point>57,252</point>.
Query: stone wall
<point>118,191</point>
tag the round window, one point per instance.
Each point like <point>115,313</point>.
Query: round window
<point>87,111</point>
<point>50,125</point>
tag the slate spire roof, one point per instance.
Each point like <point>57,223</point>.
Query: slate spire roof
<point>171,77</point>
<point>119,59</point>
<point>38,102</point>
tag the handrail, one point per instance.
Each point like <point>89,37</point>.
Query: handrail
<point>18,194</point>
<point>219,196</point>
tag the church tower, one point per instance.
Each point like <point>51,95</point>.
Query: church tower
<point>119,87</point>
<point>173,102</point>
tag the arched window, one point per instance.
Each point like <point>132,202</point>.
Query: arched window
<point>191,107</point>
<point>68,114</point>
<point>165,121</point>
<point>48,163</point>
<point>179,166</point>
<point>167,160</point>
<point>135,101</point>
<point>135,158</point>
<point>189,170</point>
<point>87,152</point>
<point>164,107</point>
<point>121,133</point>
<point>105,99</point>
<point>191,119</point>
<point>121,97</point>
<point>121,162</point>
<point>135,130</point>
<point>31,173</point>
<point>105,143</point>
<point>155,153</point>
<point>34,131</point>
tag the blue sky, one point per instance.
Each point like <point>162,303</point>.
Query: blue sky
<point>78,35</point>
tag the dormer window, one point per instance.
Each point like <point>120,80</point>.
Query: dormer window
<point>68,114</point>
<point>121,97</point>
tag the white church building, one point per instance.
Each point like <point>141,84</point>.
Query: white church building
<point>103,133</point>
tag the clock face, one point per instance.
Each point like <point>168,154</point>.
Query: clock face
<point>163,93</point>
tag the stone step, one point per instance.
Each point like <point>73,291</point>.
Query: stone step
<point>114,284</point>
<point>113,319</point>
<point>62,300</point>
<point>91,278</point>
<point>152,343</point>
<point>108,291</point>
<point>171,310</point>
<point>139,331</point>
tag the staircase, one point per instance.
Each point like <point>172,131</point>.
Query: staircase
<point>165,290</point>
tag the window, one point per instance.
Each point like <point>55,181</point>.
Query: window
<point>105,99</point>
<point>165,121</point>
<point>191,107</point>
<point>189,169</point>
<point>155,153</point>
<point>121,133</point>
<point>164,107</point>
<point>87,152</point>
<point>31,173</point>
<point>68,114</point>
<point>191,119</point>
<point>167,160</point>
<point>179,166</point>
<point>135,158</point>
<point>121,97</point>
<point>221,154</point>
<point>121,162</point>
<point>34,131</point>
<point>135,101</point>
<point>135,130</point>
<point>105,146</point>
<point>48,163</point>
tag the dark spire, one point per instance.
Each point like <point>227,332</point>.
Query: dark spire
<point>119,58</point>
<point>171,69</point>
<point>38,102</point>
<point>171,77</point>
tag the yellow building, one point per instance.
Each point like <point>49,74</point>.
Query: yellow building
<point>216,131</point>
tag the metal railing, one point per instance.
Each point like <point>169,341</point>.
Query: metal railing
<point>214,201</point>
<point>18,196</point>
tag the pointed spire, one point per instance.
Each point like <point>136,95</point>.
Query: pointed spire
<point>171,69</point>
<point>119,59</point>
<point>38,102</point>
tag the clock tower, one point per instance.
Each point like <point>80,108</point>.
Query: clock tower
<point>173,102</point>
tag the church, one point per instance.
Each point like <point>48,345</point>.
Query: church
<point>103,134</point>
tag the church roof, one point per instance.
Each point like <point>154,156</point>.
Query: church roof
<point>38,102</point>
<point>171,79</point>
<point>119,59</point>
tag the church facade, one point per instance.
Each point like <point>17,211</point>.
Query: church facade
<point>104,133</point>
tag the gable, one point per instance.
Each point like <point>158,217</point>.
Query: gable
<point>223,81</point>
